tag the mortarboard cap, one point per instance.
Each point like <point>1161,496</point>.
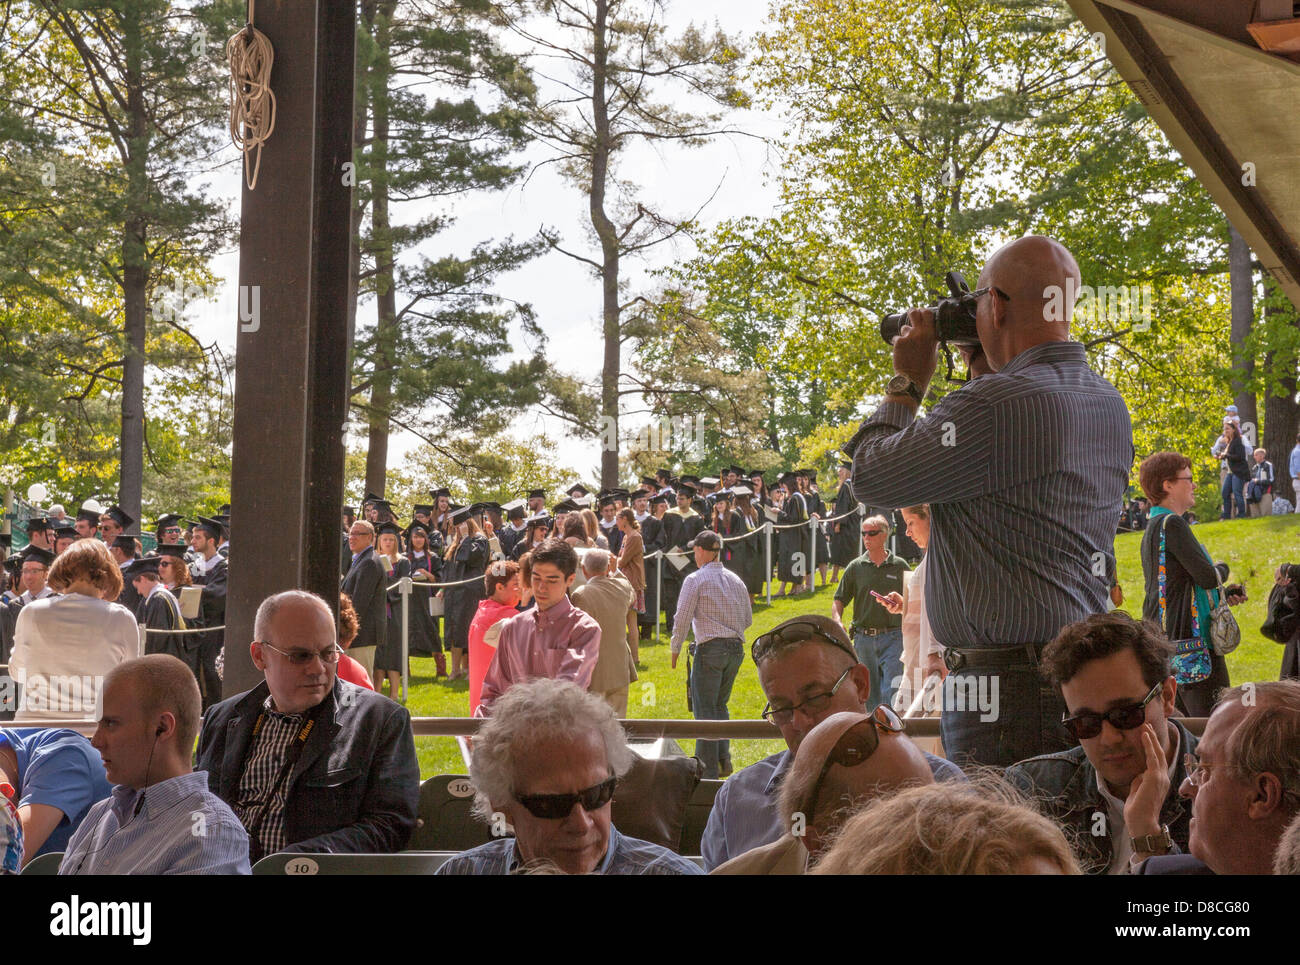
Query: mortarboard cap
<point>88,515</point>
<point>515,508</point>
<point>736,469</point>
<point>38,554</point>
<point>119,516</point>
<point>145,564</point>
<point>741,491</point>
<point>650,482</point>
<point>38,524</point>
<point>609,499</point>
<point>538,519</point>
<point>659,498</point>
<point>177,550</point>
<point>537,494</point>
<point>460,514</point>
<point>685,489</point>
<point>126,543</point>
<point>169,519</point>
<point>710,482</point>
<point>210,526</point>
<point>577,489</point>
<point>388,526</point>
<point>440,492</point>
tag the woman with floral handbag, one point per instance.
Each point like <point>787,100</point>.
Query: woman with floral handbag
<point>1184,591</point>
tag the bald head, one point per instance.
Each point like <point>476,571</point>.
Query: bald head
<point>1041,279</point>
<point>896,762</point>
<point>160,683</point>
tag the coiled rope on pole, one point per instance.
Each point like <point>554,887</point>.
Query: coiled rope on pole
<point>252,102</point>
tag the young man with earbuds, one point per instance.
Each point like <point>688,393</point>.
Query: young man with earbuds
<point>161,818</point>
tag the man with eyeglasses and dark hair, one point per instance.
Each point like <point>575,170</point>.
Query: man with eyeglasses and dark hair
<point>808,671</point>
<point>546,764</point>
<point>1116,794</point>
<point>309,762</point>
<point>1244,783</point>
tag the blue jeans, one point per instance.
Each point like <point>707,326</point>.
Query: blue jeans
<point>997,717</point>
<point>716,663</point>
<point>883,656</point>
<point>1234,490</point>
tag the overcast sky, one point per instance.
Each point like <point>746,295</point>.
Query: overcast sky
<point>565,294</point>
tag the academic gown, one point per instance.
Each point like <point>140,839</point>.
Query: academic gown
<point>461,602</point>
<point>162,611</point>
<point>793,542</point>
<point>425,638</point>
<point>748,554</point>
<point>652,536</point>
<point>212,613</point>
<point>678,531</point>
<point>845,546</point>
<point>388,655</point>
<point>817,507</point>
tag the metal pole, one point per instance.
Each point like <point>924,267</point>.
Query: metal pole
<point>812,567</point>
<point>767,555</point>
<point>404,587</point>
<point>659,592</point>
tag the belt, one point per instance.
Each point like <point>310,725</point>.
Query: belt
<point>701,643</point>
<point>1024,656</point>
<point>874,631</point>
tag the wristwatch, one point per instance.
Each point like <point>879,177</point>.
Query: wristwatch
<point>1160,843</point>
<point>903,385</point>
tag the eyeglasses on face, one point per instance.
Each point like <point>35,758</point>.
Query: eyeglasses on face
<point>855,745</point>
<point>811,706</point>
<point>1087,725</point>
<point>553,807</point>
<point>300,658</point>
<point>795,632</point>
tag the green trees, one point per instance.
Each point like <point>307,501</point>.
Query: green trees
<point>429,362</point>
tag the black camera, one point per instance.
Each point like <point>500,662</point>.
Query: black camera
<point>954,317</point>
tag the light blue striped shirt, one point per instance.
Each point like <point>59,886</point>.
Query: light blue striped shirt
<point>182,829</point>
<point>1025,471</point>
<point>624,856</point>
<point>745,813</point>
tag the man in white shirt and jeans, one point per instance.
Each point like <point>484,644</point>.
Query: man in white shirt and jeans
<point>715,605</point>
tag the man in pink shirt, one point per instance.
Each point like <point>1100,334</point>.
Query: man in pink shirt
<point>554,639</point>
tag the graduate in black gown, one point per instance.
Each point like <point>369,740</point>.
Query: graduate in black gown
<point>844,532</point>
<point>750,553</point>
<point>388,655</point>
<point>794,541</point>
<point>426,567</point>
<point>466,558</point>
<point>817,510</point>
<point>681,525</point>
<point>160,610</point>
<point>653,538</point>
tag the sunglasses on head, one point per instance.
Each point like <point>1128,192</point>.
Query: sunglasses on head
<point>794,633</point>
<point>1088,724</point>
<point>553,807</point>
<point>855,745</point>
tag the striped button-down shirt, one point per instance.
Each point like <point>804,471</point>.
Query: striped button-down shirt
<point>624,856</point>
<point>266,756</point>
<point>181,828</point>
<point>715,603</point>
<point>1025,471</point>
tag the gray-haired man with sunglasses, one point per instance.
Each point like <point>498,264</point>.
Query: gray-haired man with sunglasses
<point>309,762</point>
<point>809,671</point>
<point>1117,793</point>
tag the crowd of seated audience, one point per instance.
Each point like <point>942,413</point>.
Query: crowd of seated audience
<point>307,762</point>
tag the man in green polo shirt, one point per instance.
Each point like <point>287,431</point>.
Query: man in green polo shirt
<point>877,634</point>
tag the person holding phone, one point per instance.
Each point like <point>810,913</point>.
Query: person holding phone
<point>877,633</point>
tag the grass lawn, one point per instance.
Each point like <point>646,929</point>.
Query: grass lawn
<point>1252,548</point>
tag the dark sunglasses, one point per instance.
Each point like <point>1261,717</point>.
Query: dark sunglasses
<point>553,807</point>
<point>1087,725</point>
<point>794,633</point>
<point>855,745</point>
<point>871,532</point>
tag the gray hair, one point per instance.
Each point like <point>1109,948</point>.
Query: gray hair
<point>534,711</point>
<point>596,561</point>
<point>1286,861</point>
<point>271,606</point>
<point>880,521</point>
<point>1268,738</point>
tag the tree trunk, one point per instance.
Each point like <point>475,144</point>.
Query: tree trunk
<point>1281,415</point>
<point>135,277</point>
<point>381,392</point>
<point>611,369</point>
<point>1242,279</point>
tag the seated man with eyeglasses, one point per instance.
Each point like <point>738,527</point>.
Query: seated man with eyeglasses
<point>546,764</point>
<point>309,762</point>
<point>844,761</point>
<point>808,670</point>
<point>1116,794</point>
<point>1244,783</point>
